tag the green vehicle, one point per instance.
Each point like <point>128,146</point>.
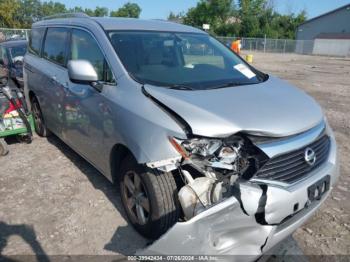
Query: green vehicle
<point>15,119</point>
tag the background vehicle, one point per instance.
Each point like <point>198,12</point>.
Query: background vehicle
<point>15,119</point>
<point>189,130</point>
<point>11,61</point>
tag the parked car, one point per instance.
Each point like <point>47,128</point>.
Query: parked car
<point>212,156</point>
<point>11,61</point>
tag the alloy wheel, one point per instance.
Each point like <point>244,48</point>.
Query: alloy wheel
<point>137,201</point>
<point>37,116</point>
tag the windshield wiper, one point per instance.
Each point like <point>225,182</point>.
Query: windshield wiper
<point>228,84</point>
<point>180,87</point>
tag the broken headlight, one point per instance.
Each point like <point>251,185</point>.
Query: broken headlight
<point>210,153</point>
<point>196,146</point>
<point>201,146</point>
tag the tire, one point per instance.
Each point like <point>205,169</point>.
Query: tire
<point>156,196</point>
<point>3,147</point>
<point>24,139</point>
<point>39,123</point>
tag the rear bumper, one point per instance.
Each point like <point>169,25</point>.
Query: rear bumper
<point>265,214</point>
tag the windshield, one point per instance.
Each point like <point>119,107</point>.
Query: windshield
<point>180,60</point>
<point>18,51</point>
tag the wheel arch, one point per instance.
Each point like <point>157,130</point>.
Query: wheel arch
<point>118,153</point>
<point>31,95</point>
<point>29,99</point>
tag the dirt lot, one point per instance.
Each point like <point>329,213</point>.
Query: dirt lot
<point>54,202</point>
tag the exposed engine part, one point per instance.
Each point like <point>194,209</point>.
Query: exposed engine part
<point>198,194</point>
<point>188,177</point>
<point>215,158</point>
<point>210,169</point>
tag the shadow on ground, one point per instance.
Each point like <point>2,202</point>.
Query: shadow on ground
<point>125,240</point>
<point>27,233</point>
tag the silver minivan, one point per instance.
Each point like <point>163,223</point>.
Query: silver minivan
<point>211,155</point>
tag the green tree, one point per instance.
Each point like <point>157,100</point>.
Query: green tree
<point>76,9</point>
<point>175,17</point>
<point>52,8</point>
<point>127,10</point>
<point>213,12</point>
<point>249,13</point>
<point>29,12</point>
<point>228,29</point>
<point>8,10</point>
<point>101,11</point>
<point>89,12</point>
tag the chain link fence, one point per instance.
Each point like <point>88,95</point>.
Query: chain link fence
<point>331,47</point>
<point>13,34</point>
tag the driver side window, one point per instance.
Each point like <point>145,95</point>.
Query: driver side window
<point>84,47</point>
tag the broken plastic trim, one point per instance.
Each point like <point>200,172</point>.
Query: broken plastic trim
<point>165,165</point>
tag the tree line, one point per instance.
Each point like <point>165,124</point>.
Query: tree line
<point>248,18</point>
<point>22,13</point>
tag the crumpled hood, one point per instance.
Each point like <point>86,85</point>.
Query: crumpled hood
<point>272,108</point>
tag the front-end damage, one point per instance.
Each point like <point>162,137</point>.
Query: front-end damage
<point>226,210</point>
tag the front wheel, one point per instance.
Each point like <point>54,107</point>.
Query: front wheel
<point>149,199</point>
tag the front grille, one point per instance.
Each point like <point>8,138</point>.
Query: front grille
<point>292,166</point>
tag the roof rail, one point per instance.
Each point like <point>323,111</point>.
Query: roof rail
<point>65,15</point>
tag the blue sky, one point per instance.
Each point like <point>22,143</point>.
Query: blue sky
<point>160,9</point>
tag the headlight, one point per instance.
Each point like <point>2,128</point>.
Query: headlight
<point>200,146</point>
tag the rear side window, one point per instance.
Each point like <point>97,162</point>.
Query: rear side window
<point>55,45</point>
<point>3,56</point>
<point>84,47</point>
<point>35,39</point>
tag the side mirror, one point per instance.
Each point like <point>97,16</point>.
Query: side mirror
<point>82,72</point>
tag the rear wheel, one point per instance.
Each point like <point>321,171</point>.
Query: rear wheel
<point>39,123</point>
<point>149,199</point>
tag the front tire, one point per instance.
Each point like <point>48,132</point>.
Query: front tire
<point>149,198</point>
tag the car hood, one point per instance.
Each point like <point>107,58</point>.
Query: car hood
<point>271,108</point>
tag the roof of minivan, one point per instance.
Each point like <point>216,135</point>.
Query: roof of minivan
<point>116,23</point>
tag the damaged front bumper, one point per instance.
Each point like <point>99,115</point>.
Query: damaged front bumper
<point>263,215</point>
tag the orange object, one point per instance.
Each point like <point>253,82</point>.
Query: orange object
<point>178,148</point>
<point>236,46</point>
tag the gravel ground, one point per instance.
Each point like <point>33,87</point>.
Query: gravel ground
<point>53,202</point>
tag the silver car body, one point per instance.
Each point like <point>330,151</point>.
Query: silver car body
<point>131,115</point>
